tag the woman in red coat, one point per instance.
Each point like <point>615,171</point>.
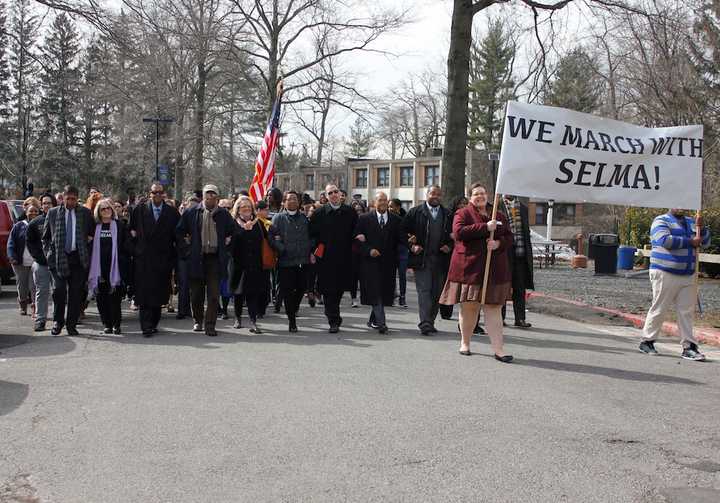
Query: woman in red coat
<point>471,227</point>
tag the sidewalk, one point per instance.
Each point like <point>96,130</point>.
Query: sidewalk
<point>704,335</point>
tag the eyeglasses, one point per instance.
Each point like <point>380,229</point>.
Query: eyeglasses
<point>106,208</point>
<point>157,192</point>
<point>333,192</point>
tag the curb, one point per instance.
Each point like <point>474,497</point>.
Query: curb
<point>705,335</point>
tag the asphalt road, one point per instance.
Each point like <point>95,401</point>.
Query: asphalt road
<point>581,416</point>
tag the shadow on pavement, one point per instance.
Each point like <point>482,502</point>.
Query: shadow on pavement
<point>12,395</point>
<point>627,375</point>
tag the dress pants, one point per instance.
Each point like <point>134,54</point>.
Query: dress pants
<point>69,292</point>
<point>150,317</point>
<point>293,282</point>
<point>519,282</point>
<point>429,283</point>
<point>208,285</point>
<point>254,305</point>
<point>109,305</point>
<point>183,286</point>
<point>332,307</point>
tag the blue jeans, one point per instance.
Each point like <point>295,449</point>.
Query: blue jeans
<point>43,284</point>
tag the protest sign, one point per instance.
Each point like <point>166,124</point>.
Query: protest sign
<point>555,153</point>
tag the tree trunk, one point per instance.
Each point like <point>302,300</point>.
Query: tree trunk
<point>179,159</point>
<point>200,126</point>
<point>453,162</point>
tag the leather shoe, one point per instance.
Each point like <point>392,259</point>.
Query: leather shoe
<point>383,329</point>
<point>210,332</point>
<point>522,324</point>
<point>426,331</point>
<point>39,326</point>
<point>466,353</point>
<point>56,329</point>
<point>72,331</point>
<point>197,327</point>
<point>147,333</point>
<point>334,329</point>
<point>117,331</point>
<point>107,330</point>
<point>504,359</point>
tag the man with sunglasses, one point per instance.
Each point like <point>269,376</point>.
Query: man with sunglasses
<point>332,227</point>
<point>152,228</point>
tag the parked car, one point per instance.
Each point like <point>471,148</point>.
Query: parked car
<point>10,212</point>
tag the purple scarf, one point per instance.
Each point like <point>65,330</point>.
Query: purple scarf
<point>95,270</point>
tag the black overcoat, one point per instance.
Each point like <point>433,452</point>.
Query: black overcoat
<point>335,230</point>
<point>154,253</point>
<point>528,262</point>
<point>377,274</point>
<point>246,248</point>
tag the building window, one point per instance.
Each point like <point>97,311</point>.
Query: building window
<point>540,214</point>
<point>564,214</point>
<point>383,177</point>
<point>406,176</point>
<point>432,175</point>
<point>309,182</point>
<point>361,178</point>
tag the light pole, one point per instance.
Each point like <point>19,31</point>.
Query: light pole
<point>548,235</point>
<point>157,121</point>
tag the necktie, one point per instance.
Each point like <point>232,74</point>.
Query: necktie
<point>69,228</point>
<point>434,213</point>
<point>382,220</point>
<point>157,213</point>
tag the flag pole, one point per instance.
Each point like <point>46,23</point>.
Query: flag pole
<point>698,235</point>
<point>486,277</point>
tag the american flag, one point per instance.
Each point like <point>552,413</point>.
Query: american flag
<point>265,163</point>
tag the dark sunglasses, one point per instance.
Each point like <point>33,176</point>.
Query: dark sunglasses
<point>157,192</point>
<point>333,192</point>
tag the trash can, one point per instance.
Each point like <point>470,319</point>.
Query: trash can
<point>626,257</point>
<point>603,249</point>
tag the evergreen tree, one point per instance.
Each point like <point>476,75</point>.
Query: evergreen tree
<point>24,78</point>
<point>59,104</point>
<point>360,141</point>
<point>5,111</point>
<point>491,86</point>
<point>575,85</point>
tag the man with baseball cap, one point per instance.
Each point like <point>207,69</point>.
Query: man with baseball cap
<point>203,235</point>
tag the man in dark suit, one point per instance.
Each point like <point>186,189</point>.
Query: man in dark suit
<point>152,227</point>
<point>428,228</point>
<point>66,242</point>
<point>520,257</point>
<point>379,234</point>
<point>203,235</point>
<point>332,227</point>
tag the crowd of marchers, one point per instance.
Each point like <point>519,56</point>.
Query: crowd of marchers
<point>196,257</point>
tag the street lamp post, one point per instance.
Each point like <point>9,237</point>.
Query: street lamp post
<point>157,121</point>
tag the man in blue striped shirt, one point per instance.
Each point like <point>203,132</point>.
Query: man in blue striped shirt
<point>675,247</point>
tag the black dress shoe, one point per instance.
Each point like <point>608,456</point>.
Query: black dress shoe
<point>504,359</point>
<point>210,332</point>
<point>39,326</point>
<point>522,324</point>
<point>72,331</point>
<point>117,331</point>
<point>147,333</point>
<point>383,329</point>
<point>334,329</point>
<point>107,330</point>
<point>426,331</point>
<point>153,330</point>
<point>433,330</point>
<point>465,353</point>
<point>56,329</point>
<point>292,326</point>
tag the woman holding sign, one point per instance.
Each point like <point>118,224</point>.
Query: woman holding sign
<point>472,228</point>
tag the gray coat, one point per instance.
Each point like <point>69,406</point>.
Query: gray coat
<point>290,237</point>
